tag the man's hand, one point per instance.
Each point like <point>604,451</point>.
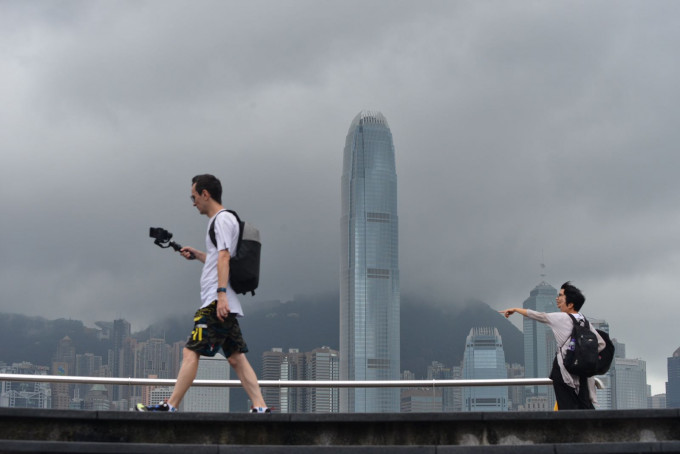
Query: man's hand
<point>222,306</point>
<point>507,312</point>
<point>190,253</point>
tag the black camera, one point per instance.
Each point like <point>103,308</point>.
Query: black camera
<point>163,238</point>
<point>162,235</point>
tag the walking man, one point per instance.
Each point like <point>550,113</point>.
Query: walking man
<point>216,322</point>
<point>570,391</point>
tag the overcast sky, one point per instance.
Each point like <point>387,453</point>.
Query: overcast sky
<point>526,132</point>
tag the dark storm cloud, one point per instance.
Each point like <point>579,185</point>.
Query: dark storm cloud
<point>525,132</point>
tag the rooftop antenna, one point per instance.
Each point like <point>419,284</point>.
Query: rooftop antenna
<point>542,266</point>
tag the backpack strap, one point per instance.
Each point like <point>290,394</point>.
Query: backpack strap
<point>575,323</point>
<point>211,231</point>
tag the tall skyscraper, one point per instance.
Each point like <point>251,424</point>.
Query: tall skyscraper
<point>484,358</point>
<point>673,383</point>
<point>369,270</point>
<point>539,341</point>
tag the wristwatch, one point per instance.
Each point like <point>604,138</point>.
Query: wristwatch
<point>221,290</point>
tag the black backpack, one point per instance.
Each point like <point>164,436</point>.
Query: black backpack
<point>244,267</point>
<point>582,356</point>
<point>606,356</point>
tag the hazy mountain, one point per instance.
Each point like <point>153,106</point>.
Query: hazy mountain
<point>429,332</point>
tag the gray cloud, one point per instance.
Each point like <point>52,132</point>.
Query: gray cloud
<point>525,133</point>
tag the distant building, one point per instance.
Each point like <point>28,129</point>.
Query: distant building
<point>153,358</point>
<point>484,358</point>
<point>209,399</point>
<point>449,395</point>
<point>319,364</point>
<point>88,365</point>
<point>538,403</point>
<point>161,394</point>
<point>121,358</point>
<point>63,363</point>
<point>421,400</point>
<point>322,364</point>
<point>97,398</point>
<point>280,365</point>
<point>516,394</point>
<point>657,401</point>
<point>673,383</point>
<point>604,395</point>
<point>629,384</point>
<point>16,394</point>
<point>539,340</point>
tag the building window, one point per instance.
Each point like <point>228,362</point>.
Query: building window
<point>378,273</point>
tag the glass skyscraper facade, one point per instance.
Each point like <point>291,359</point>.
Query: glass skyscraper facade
<point>369,271</point>
<point>629,383</point>
<point>673,383</point>
<point>539,341</point>
<point>484,358</point>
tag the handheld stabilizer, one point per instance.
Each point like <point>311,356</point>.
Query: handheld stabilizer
<point>163,239</point>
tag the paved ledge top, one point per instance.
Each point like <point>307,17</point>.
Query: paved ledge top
<point>581,415</point>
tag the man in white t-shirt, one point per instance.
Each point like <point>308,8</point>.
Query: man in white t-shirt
<point>570,390</point>
<point>216,324</point>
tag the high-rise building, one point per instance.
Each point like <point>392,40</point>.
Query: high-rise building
<point>87,365</point>
<point>322,364</point>
<point>153,358</point>
<point>673,383</point>
<point>119,355</point>
<point>539,340</point>
<point>604,395</point>
<point>63,363</point>
<point>280,365</point>
<point>369,270</point>
<point>516,394</point>
<point>484,358</point>
<point>205,399</point>
<point>629,384</point>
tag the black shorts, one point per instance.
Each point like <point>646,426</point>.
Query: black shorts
<point>210,334</point>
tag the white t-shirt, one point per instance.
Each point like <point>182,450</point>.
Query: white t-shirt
<point>562,325</point>
<point>226,235</point>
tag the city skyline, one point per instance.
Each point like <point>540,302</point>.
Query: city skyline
<point>526,134</point>
<point>626,386</point>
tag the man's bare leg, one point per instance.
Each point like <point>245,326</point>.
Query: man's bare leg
<point>246,374</point>
<point>186,376</point>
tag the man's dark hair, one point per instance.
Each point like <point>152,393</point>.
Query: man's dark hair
<point>573,296</point>
<point>208,183</point>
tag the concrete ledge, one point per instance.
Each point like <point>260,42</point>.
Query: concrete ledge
<point>335,430</point>
<point>21,446</point>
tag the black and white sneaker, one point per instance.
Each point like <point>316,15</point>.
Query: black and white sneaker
<point>260,410</point>
<point>163,406</point>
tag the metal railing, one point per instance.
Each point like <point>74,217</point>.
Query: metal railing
<point>280,383</point>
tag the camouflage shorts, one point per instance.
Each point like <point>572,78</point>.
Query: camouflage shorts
<point>210,334</point>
